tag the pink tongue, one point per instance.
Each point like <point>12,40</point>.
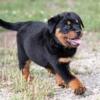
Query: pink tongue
<point>75,42</point>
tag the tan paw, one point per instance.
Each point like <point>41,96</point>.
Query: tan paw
<point>77,86</point>
<point>59,80</point>
<point>80,90</point>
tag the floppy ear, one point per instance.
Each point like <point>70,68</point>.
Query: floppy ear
<point>52,22</point>
<point>81,22</point>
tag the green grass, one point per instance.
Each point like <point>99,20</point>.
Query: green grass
<point>11,79</point>
<point>21,10</point>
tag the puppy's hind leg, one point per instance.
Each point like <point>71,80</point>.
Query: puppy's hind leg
<point>24,61</point>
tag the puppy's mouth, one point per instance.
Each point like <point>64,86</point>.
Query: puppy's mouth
<point>74,42</point>
<point>70,39</point>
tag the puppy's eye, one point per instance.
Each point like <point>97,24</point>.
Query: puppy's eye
<point>68,22</point>
<point>76,21</point>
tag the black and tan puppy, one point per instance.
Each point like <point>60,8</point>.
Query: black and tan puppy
<point>50,45</point>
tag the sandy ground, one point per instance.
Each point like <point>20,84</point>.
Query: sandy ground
<point>86,64</point>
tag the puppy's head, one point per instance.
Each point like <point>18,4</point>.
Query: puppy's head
<point>67,28</point>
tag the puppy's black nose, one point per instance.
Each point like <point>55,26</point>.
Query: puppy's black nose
<point>78,33</point>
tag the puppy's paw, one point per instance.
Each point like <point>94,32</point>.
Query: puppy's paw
<point>80,90</point>
<point>59,81</point>
<point>77,86</point>
<point>30,78</point>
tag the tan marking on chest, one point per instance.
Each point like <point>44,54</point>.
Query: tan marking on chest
<point>64,60</point>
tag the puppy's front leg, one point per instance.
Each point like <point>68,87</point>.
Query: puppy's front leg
<point>65,77</point>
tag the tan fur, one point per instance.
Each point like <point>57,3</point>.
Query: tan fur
<point>59,80</point>
<point>63,38</point>
<point>26,71</point>
<point>77,86</point>
<point>64,60</point>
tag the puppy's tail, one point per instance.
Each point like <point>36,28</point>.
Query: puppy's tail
<point>11,26</point>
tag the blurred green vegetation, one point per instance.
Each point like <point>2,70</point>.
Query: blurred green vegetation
<point>22,10</point>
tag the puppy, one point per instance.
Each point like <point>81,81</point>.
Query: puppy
<point>51,45</point>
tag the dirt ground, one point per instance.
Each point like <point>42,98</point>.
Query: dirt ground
<point>86,64</point>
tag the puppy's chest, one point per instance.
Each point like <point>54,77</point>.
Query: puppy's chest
<point>67,52</point>
<point>66,56</point>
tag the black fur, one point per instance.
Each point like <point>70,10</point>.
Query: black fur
<point>36,41</point>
